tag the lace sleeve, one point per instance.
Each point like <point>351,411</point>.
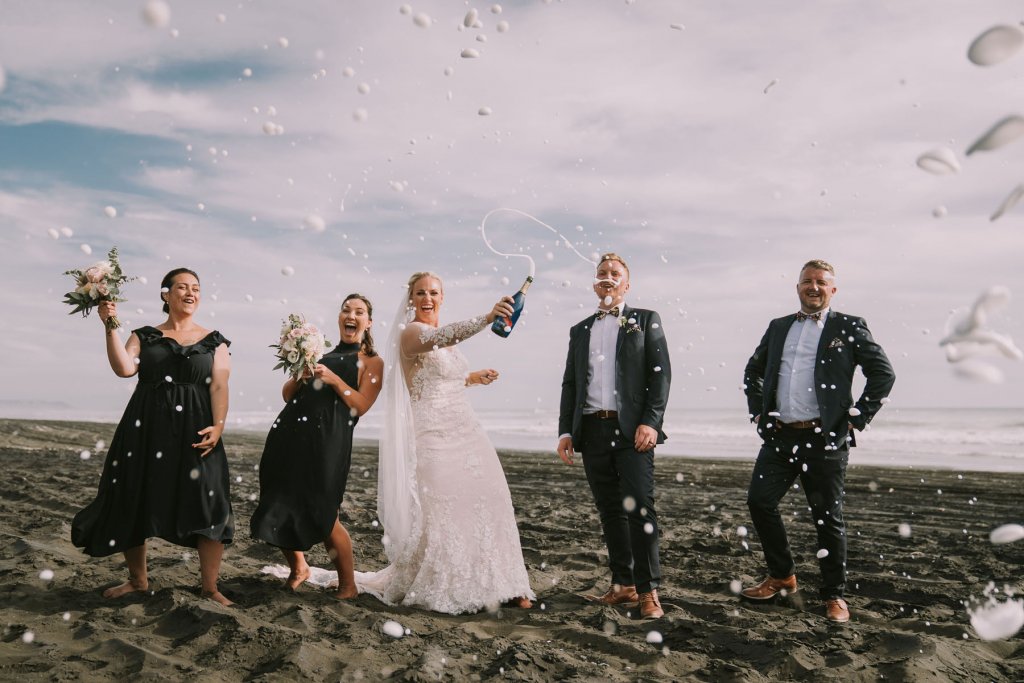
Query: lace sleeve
<point>420,338</point>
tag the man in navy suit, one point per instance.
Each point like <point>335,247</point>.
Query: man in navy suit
<point>614,393</point>
<point>799,392</point>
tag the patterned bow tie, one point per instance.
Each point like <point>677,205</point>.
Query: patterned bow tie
<point>801,316</point>
<point>614,313</point>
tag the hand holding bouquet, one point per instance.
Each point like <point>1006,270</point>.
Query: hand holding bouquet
<point>99,282</point>
<point>300,348</point>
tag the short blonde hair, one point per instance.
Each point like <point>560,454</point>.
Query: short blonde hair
<point>612,256</point>
<point>818,264</point>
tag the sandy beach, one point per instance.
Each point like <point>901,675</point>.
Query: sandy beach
<point>906,593</point>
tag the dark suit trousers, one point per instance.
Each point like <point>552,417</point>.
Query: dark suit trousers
<point>622,481</point>
<point>822,474</point>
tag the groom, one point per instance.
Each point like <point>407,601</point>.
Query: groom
<point>614,393</point>
<point>799,386</point>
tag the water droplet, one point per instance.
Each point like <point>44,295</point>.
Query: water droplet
<point>940,161</point>
<point>1002,133</point>
<point>995,45</point>
<point>1008,203</point>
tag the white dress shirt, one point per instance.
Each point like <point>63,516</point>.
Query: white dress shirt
<point>796,399</point>
<point>601,364</point>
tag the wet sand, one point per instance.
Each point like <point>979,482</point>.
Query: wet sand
<point>906,594</point>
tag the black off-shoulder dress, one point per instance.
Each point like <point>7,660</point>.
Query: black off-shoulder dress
<point>154,483</point>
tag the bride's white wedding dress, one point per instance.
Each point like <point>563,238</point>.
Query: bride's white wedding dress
<point>468,555</point>
<point>450,529</point>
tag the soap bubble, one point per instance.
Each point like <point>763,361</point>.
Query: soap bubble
<point>393,629</point>
<point>998,620</point>
<point>156,13</point>
<point>315,223</point>
<point>1007,533</point>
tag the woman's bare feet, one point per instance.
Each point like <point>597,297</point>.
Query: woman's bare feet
<point>519,603</point>
<point>129,586</point>
<point>346,593</point>
<point>297,577</point>
<point>217,597</point>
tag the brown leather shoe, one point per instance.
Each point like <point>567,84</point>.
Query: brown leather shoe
<point>770,587</point>
<point>837,610</point>
<point>617,595</point>
<point>650,607</point>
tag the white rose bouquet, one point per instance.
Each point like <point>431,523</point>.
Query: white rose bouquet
<point>99,282</point>
<point>301,346</point>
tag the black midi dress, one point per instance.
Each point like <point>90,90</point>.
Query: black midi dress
<point>154,483</point>
<point>306,459</point>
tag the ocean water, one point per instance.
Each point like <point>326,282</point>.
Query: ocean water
<point>990,439</point>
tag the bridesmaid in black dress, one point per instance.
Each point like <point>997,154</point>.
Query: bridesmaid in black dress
<point>308,451</point>
<point>166,473</point>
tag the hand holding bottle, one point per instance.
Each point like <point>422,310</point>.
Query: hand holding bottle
<point>502,309</point>
<point>502,326</point>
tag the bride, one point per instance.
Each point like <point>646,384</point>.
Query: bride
<point>450,532</point>
<point>449,529</point>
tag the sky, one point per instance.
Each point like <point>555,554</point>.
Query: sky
<point>717,146</point>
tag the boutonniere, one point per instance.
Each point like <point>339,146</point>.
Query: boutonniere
<point>629,324</point>
<point>835,343</point>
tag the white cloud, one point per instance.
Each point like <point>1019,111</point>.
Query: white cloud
<point>658,141</point>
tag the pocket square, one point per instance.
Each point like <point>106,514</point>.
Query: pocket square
<point>835,343</point>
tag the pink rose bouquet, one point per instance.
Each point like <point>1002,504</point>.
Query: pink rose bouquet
<point>99,282</point>
<point>300,348</point>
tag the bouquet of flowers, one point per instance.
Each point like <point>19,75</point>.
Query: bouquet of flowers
<point>99,282</point>
<point>301,346</point>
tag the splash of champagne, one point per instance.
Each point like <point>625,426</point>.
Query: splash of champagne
<point>533,266</point>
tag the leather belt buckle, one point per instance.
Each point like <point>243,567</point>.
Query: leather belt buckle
<point>606,414</point>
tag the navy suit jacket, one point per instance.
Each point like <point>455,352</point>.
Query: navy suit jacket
<point>642,375</point>
<point>845,343</point>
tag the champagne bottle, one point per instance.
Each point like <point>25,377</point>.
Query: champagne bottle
<point>502,325</point>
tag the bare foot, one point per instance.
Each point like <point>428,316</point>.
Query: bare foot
<point>346,593</point>
<point>129,586</point>
<point>297,578</point>
<point>520,603</point>
<point>217,597</point>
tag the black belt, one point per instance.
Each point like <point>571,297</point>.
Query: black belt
<point>805,424</point>
<point>603,414</point>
